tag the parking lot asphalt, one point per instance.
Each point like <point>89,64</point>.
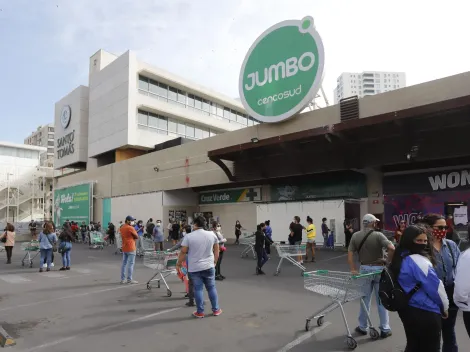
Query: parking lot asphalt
<point>87,309</point>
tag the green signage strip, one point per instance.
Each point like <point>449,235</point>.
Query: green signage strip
<point>72,203</point>
<point>231,196</point>
<point>282,71</point>
<point>350,185</point>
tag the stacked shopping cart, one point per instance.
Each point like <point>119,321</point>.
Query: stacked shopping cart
<point>97,240</point>
<point>248,240</point>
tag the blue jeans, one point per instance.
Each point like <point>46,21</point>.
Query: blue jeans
<point>201,279</point>
<point>262,257</point>
<point>128,259</point>
<point>46,254</point>
<point>383,313</point>
<point>66,258</point>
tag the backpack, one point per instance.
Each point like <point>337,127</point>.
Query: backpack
<point>392,296</point>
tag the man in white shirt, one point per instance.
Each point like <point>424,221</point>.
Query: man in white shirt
<point>202,249</point>
<point>462,287</point>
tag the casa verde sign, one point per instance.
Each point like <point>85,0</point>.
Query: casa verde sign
<point>282,71</point>
<point>231,196</point>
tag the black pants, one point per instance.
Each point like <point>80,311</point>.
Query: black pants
<point>262,257</point>
<point>347,235</point>
<point>112,239</point>
<point>466,320</point>
<point>190,290</point>
<point>219,262</point>
<point>422,329</point>
<point>267,247</point>
<point>237,235</point>
<point>9,250</point>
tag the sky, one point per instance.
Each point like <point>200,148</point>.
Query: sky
<point>45,45</point>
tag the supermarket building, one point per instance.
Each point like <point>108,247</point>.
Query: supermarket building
<point>331,162</point>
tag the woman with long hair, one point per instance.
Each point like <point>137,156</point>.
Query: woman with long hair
<point>447,255</point>
<point>66,238</point>
<point>412,267</point>
<point>238,231</point>
<point>399,231</point>
<point>8,238</point>
<point>217,228</point>
<point>47,241</point>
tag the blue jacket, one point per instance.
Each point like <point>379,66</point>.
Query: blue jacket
<point>45,240</point>
<point>431,296</point>
<point>269,232</point>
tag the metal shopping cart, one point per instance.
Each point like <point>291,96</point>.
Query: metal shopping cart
<point>165,265</point>
<point>290,253</point>
<point>145,245</point>
<point>341,287</point>
<point>32,250</point>
<point>96,240</point>
<point>249,242</point>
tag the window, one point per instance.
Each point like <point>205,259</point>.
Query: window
<point>153,87</point>
<point>197,133</point>
<point>153,120</point>
<point>181,96</point>
<point>241,119</point>
<point>172,126</point>
<point>220,110</point>
<point>143,83</point>
<point>173,94</point>
<point>51,129</point>
<point>191,100</point>
<point>162,90</point>
<point>213,109</point>
<point>206,105</point>
<point>28,154</point>
<point>181,128</point>
<point>198,103</point>
<point>233,115</point>
<point>142,118</point>
<point>50,143</point>
<point>227,113</point>
<point>50,150</point>
<point>190,130</point>
<point>205,133</point>
<point>250,121</point>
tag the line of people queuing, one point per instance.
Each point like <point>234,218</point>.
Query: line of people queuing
<point>430,277</point>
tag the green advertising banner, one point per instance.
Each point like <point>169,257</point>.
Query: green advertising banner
<point>231,196</point>
<point>341,185</point>
<point>72,203</point>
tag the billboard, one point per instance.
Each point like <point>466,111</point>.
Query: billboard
<point>73,203</point>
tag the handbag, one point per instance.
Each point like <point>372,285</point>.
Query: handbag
<point>54,245</point>
<point>4,239</point>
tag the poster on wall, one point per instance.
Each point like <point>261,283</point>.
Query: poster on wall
<point>461,215</point>
<point>180,215</point>
<point>171,215</point>
<point>73,203</point>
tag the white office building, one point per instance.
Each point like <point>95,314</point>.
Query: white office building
<point>43,137</point>
<point>367,83</point>
<point>25,193</point>
<point>129,107</point>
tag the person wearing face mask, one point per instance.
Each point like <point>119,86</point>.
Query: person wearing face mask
<point>447,255</point>
<point>413,268</point>
<point>217,228</point>
<point>399,231</point>
<point>158,236</point>
<point>129,237</point>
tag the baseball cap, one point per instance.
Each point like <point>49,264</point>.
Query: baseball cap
<point>130,218</point>
<point>368,218</point>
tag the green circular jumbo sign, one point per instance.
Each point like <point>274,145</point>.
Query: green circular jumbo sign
<point>282,71</point>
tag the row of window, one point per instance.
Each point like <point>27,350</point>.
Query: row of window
<point>19,153</point>
<point>171,127</point>
<point>176,96</point>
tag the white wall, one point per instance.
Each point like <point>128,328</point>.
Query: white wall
<point>78,102</point>
<point>282,214</point>
<point>109,104</point>
<point>180,197</point>
<point>140,206</point>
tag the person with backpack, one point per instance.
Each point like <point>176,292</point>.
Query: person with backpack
<point>369,244</point>
<point>447,255</point>
<point>419,296</point>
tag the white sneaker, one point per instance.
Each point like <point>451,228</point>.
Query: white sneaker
<point>52,265</point>
<point>44,265</point>
<point>123,282</point>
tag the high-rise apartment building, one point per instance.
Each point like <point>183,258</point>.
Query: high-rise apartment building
<point>367,83</point>
<point>43,137</point>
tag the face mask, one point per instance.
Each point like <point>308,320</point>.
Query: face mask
<point>132,223</point>
<point>439,234</point>
<point>219,228</point>
<point>184,234</point>
<point>159,224</point>
<point>418,248</point>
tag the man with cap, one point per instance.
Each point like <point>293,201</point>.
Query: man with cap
<point>369,245</point>
<point>129,236</point>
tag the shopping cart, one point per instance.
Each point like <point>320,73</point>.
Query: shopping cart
<point>32,250</point>
<point>290,253</point>
<point>145,245</point>
<point>341,287</point>
<point>96,240</point>
<point>249,242</point>
<point>118,243</point>
<point>165,265</point>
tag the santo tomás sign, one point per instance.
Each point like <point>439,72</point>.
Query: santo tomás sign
<point>282,71</point>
